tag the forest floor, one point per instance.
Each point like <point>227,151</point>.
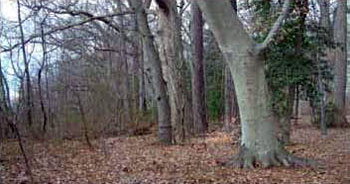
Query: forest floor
<point>141,160</point>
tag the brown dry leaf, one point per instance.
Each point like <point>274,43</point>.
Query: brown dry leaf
<point>140,160</point>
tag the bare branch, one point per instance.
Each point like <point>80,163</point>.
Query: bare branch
<point>90,19</point>
<point>87,14</point>
<point>275,28</point>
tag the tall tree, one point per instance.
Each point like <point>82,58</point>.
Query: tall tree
<point>170,25</point>
<point>259,142</point>
<point>159,85</point>
<point>42,65</point>
<point>198,84</point>
<point>339,65</point>
<point>124,65</point>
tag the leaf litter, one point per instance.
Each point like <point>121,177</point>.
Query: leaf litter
<point>140,160</point>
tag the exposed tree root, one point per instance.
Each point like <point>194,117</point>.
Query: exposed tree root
<point>280,157</point>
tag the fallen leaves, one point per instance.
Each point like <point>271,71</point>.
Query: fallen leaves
<point>139,160</point>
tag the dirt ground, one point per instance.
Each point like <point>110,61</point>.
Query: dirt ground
<point>140,160</point>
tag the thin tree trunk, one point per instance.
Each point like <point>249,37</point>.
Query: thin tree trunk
<point>322,101</point>
<point>14,128</point>
<point>285,122</point>
<point>83,118</point>
<point>29,104</point>
<point>347,101</point>
<point>231,106</point>
<point>302,11</point>
<point>228,127</point>
<point>4,105</point>
<point>43,110</point>
<point>142,84</point>
<point>7,113</point>
<point>198,82</point>
<point>296,105</point>
<point>48,97</point>
<point>125,67</point>
<point>159,85</point>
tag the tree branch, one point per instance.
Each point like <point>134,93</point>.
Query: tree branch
<point>275,28</point>
<point>86,14</point>
<point>92,18</point>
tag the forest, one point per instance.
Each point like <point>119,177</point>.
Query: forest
<point>174,91</point>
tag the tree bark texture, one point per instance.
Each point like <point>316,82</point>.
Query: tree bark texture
<point>159,85</point>
<point>339,63</point>
<point>170,33</point>
<point>198,82</point>
<point>231,106</point>
<point>259,140</point>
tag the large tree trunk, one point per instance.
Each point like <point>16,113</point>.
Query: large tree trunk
<point>159,85</point>
<point>175,65</point>
<point>259,142</point>
<point>198,84</point>
<point>339,64</point>
<point>337,57</point>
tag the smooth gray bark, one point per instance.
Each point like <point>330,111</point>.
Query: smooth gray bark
<point>159,85</point>
<point>231,106</point>
<point>259,141</point>
<point>170,25</point>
